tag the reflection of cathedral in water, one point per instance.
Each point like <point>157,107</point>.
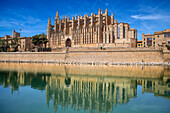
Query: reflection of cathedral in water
<point>95,93</point>
<point>91,94</point>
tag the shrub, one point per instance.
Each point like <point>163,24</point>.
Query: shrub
<point>101,48</point>
<point>168,47</point>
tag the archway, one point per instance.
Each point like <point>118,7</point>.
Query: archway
<point>68,43</point>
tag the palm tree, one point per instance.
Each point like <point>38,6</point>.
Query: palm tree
<point>44,39</point>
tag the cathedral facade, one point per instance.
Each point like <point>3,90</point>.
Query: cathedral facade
<point>99,30</point>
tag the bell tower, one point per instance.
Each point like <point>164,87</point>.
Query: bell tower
<point>49,29</point>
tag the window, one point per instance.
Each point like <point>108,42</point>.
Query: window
<point>148,39</point>
<point>23,46</point>
<point>168,34</point>
<point>113,37</point>
<point>153,38</point>
<point>138,44</point>
<point>118,32</point>
<point>105,38</point>
<point>149,42</point>
<point>123,31</point>
<point>168,42</point>
<point>165,35</point>
<point>158,36</point>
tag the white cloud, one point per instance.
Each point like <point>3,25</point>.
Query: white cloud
<point>106,4</point>
<point>150,17</point>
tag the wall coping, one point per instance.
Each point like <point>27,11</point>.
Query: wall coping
<point>85,51</point>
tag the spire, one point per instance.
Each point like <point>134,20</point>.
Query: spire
<point>13,30</point>
<point>99,12</point>
<point>106,12</point>
<point>75,16</point>
<point>116,21</point>
<point>112,15</point>
<point>57,16</point>
<point>49,21</point>
<point>112,18</point>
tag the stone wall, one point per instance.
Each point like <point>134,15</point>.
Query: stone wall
<point>116,56</point>
<point>30,56</point>
<point>93,56</point>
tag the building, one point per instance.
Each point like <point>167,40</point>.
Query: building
<point>99,30</point>
<point>148,40</point>
<point>1,38</point>
<point>139,44</point>
<point>162,38</point>
<point>25,42</point>
<point>156,40</point>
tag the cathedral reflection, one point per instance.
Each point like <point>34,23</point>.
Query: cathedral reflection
<point>94,93</point>
<point>89,93</point>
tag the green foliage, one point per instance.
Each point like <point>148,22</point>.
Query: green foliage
<point>168,47</point>
<point>37,40</point>
<point>101,48</point>
<point>15,43</point>
<point>3,45</point>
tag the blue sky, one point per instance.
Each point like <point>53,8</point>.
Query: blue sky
<point>32,16</point>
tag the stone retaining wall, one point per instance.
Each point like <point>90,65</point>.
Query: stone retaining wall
<point>90,57</point>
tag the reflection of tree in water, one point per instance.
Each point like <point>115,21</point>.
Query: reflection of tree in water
<point>38,81</point>
<point>16,79</point>
<point>67,79</point>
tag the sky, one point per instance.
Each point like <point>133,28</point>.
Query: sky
<point>31,16</point>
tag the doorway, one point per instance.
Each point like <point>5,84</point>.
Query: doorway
<point>68,43</point>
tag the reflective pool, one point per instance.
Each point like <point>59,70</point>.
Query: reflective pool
<point>33,88</point>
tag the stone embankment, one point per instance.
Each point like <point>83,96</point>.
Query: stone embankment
<point>92,57</point>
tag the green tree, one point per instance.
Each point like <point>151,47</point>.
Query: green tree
<point>15,43</point>
<point>3,45</point>
<point>44,39</point>
<point>37,40</point>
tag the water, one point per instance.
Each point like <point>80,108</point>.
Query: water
<point>34,88</point>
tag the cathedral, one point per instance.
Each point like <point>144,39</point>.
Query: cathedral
<point>99,30</point>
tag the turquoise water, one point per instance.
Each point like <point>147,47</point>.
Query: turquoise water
<point>44,92</point>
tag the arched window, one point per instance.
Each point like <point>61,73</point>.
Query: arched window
<point>109,38</point>
<point>118,32</point>
<point>105,38</point>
